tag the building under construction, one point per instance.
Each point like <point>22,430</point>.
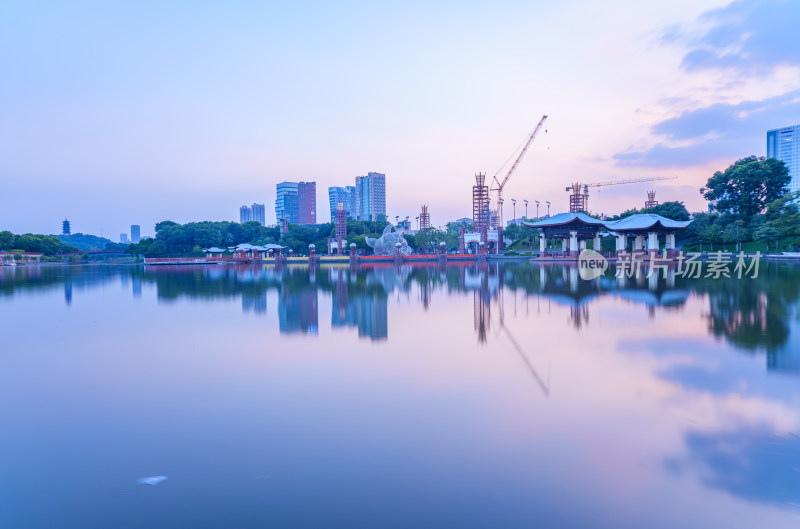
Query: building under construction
<point>579,193</point>
<point>424,218</point>
<point>481,216</point>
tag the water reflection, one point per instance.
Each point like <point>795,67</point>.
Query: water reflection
<point>520,387</point>
<point>755,315</point>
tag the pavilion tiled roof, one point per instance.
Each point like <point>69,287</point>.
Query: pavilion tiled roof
<point>644,221</point>
<point>564,218</point>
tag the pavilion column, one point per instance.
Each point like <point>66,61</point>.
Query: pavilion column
<point>638,242</point>
<point>573,241</point>
<point>564,244</point>
<point>542,244</point>
<point>670,242</point>
<point>652,241</point>
<point>582,244</point>
<point>622,242</point>
<point>596,245</point>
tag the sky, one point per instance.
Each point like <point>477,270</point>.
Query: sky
<point>120,113</point>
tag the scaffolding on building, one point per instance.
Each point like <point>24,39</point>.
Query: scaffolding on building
<point>480,203</point>
<point>651,200</point>
<point>340,222</point>
<point>424,218</point>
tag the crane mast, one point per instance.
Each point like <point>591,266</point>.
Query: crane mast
<point>498,210</point>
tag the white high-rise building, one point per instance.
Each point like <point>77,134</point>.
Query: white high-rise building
<point>784,144</point>
<point>371,196</point>
<point>257,213</point>
<point>245,214</point>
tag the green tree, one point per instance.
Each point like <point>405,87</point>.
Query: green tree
<point>672,210</point>
<point>747,186</point>
<point>783,216</point>
<point>6,240</point>
<point>766,232</point>
<point>512,231</point>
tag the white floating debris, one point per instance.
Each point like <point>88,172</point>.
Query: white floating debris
<point>152,480</point>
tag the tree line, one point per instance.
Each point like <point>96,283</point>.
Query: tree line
<point>173,239</point>
<point>34,243</point>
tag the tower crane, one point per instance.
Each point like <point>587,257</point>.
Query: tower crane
<point>579,197</point>
<point>498,185</point>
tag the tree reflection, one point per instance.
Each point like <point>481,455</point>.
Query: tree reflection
<point>755,314</point>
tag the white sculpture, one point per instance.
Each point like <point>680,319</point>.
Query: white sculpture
<point>385,244</point>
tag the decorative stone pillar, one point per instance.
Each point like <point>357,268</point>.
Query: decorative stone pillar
<point>499,245</point>
<point>353,256</point>
<point>442,253</point>
<point>481,251</point>
<point>311,253</point>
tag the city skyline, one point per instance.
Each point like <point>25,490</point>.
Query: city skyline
<point>201,124</point>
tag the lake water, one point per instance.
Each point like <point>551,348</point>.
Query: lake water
<point>494,396</point>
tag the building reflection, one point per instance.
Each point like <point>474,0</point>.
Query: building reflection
<point>298,311</point>
<point>136,286</point>
<point>366,308</point>
<point>257,304</point>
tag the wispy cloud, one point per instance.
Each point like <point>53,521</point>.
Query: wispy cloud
<point>745,39</point>
<point>717,131</point>
<point>748,36</point>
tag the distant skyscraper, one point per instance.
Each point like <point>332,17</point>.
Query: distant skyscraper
<point>245,214</point>
<point>784,144</point>
<point>136,233</point>
<point>257,214</point>
<point>307,202</point>
<point>65,229</point>
<point>345,196</point>
<point>286,206</point>
<point>371,196</point>
<point>123,238</point>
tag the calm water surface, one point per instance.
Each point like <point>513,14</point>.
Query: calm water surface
<point>488,397</point>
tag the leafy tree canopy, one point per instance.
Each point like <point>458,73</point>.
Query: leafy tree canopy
<point>747,186</point>
<point>672,210</point>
